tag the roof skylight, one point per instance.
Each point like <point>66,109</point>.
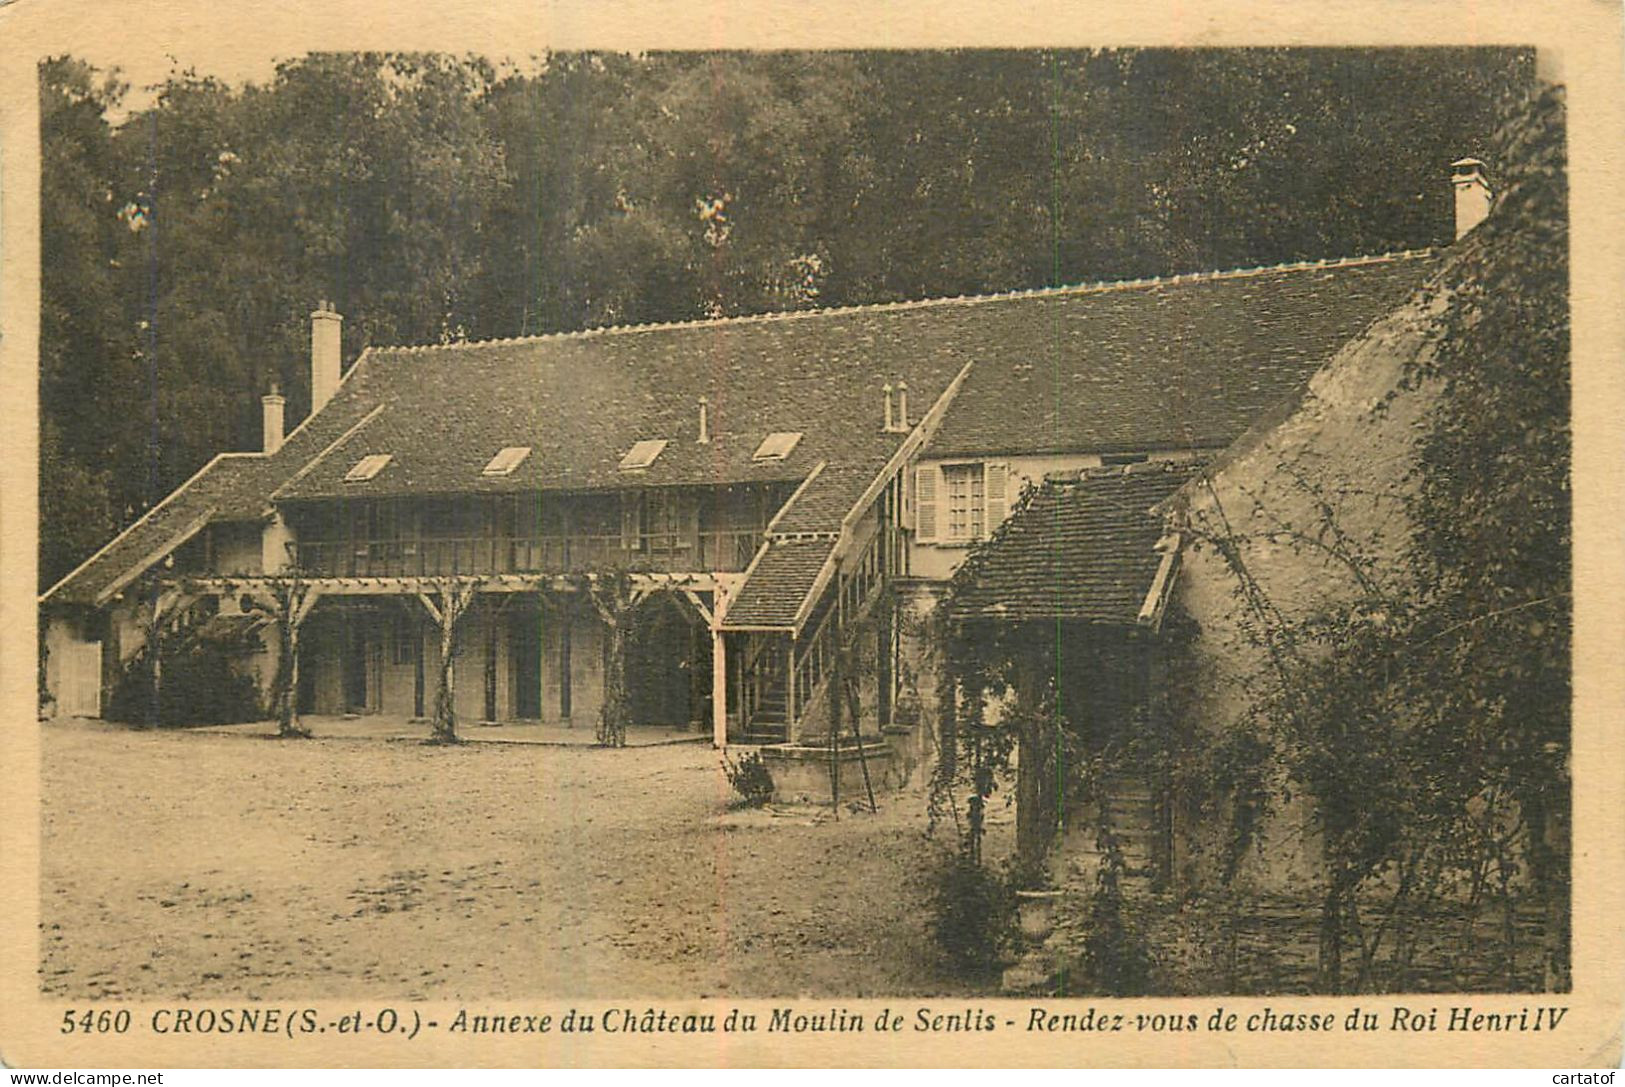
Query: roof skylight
<point>642,454</point>
<point>367,467</point>
<point>507,460</point>
<point>777,446</point>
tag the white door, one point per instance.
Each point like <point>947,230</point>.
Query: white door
<point>81,680</point>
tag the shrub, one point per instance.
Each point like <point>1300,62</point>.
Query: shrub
<point>199,687</point>
<point>972,915</point>
<point>750,779</point>
<point>1115,961</point>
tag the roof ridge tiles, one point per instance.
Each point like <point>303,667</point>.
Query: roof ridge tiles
<point>1059,291</point>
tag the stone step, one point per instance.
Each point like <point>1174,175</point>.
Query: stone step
<point>762,739</point>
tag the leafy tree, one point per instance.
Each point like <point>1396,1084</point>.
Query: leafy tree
<point>435,197</point>
<point>1426,711</point>
<point>83,338</point>
<point>1496,547</point>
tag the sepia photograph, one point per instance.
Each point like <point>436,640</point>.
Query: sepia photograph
<point>640,531</point>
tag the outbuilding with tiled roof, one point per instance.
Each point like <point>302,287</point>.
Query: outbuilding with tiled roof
<point>774,472</point>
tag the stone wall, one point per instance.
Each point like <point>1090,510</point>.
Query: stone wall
<point>1350,448</point>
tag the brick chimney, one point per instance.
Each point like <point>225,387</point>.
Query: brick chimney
<point>1473,195</point>
<point>271,429</point>
<point>705,421</point>
<point>325,339</point>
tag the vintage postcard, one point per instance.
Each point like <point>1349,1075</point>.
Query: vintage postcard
<point>716,535</point>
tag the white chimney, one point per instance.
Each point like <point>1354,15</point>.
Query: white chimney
<point>271,428</point>
<point>1473,195</point>
<point>886,388</point>
<point>902,405</point>
<point>325,339</point>
<point>705,423</point>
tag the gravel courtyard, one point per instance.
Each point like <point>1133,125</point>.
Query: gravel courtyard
<point>190,865</point>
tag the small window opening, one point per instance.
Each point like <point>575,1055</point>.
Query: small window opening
<point>642,454</point>
<point>507,460</point>
<point>777,446</point>
<point>367,467</point>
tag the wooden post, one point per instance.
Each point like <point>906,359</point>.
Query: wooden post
<point>445,705</point>
<point>790,689</point>
<point>612,717</point>
<point>746,657</point>
<point>297,607</point>
<point>490,715</point>
<point>165,602</point>
<point>719,671</point>
<point>287,603</point>
<point>614,607</point>
<point>155,655</point>
<point>719,691</point>
<point>419,682</point>
<point>451,602</point>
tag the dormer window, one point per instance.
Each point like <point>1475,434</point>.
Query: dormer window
<point>506,461</point>
<point>642,454</point>
<point>777,446</point>
<point>367,467</point>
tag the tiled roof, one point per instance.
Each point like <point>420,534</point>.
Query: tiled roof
<point>580,401</point>
<point>829,497</point>
<point>232,487</point>
<point>1186,362</point>
<point>772,595</point>
<point>1081,550</point>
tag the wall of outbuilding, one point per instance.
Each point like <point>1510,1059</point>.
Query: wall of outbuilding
<point>1350,444</point>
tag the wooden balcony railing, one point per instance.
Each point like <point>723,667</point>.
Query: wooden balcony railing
<point>816,650</point>
<point>669,553</point>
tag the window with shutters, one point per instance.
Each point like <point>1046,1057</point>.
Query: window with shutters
<point>959,502</point>
<point>966,501</point>
<point>996,483</point>
<point>923,502</point>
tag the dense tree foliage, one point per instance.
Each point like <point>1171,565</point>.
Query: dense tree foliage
<point>435,198</point>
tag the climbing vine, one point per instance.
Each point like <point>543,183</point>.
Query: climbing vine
<point>284,601</point>
<point>1423,706</point>
<point>1418,699</point>
<point>611,599</point>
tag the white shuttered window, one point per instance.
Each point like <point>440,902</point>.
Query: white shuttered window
<point>925,502</point>
<point>966,500</point>
<point>960,502</point>
<point>995,487</point>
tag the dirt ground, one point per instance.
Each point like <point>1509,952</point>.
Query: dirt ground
<point>186,865</point>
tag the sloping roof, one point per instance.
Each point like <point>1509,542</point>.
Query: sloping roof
<point>829,497</point>
<point>581,400</point>
<point>772,596</point>
<point>1082,550</point>
<point>231,487</point>
<point>1180,363</point>
<point>1487,271</point>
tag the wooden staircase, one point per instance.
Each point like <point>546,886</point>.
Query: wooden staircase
<point>769,721</point>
